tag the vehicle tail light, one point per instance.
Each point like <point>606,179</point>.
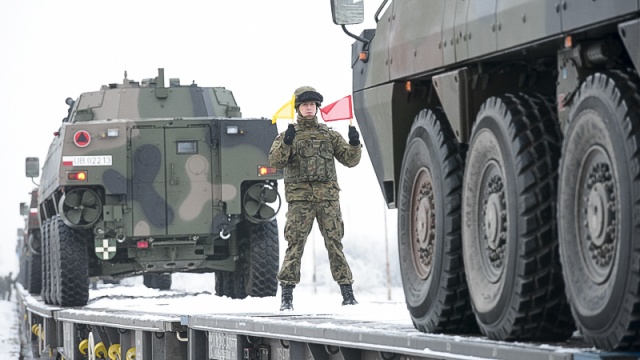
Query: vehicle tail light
<point>266,170</point>
<point>142,244</point>
<point>77,175</point>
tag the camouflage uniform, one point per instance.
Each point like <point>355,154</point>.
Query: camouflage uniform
<point>312,191</point>
<point>9,283</point>
<point>4,286</point>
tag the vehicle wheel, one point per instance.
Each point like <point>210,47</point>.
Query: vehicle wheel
<point>157,281</point>
<point>23,275</point>
<point>225,284</point>
<point>239,290</point>
<point>509,230</point>
<point>34,263</point>
<point>54,263</point>
<point>599,192</point>
<point>259,268</point>
<point>429,238</point>
<point>219,287</point>
<point>46,268</point>
<point>70,264</point>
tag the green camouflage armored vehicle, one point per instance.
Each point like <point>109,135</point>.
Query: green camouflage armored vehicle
<point>29,246</point>
<point>507,135</point>
<point>147,179</point>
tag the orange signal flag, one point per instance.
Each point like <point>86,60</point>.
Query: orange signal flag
<point>286,111</point>
<point>339,110</point>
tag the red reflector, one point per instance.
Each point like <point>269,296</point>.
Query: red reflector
<point>142,244</point>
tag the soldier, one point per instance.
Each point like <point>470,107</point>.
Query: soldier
<point>3,287</point>
<point>306,151</point>
<point>9,284</point>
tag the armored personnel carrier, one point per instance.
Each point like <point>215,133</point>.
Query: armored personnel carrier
<point>143,178</point>
<point>507,135</point>
<point>29,246</point>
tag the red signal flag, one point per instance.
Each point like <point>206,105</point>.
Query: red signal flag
<point>339,110</point>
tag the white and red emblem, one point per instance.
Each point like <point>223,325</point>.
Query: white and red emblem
<point>81,138</point>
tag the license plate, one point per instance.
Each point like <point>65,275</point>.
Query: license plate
<point>96,160</point>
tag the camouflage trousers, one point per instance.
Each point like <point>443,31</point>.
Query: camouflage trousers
<point>300,217</point>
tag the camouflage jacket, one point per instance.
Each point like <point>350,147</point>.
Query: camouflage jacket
<point>284,156</point>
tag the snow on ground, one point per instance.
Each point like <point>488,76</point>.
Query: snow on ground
<point>132,295</point>
<point>9,339</point>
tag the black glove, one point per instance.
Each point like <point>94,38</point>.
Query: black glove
<point>354,136</point>
<point>289,135</point>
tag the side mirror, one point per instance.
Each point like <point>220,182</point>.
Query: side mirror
<point>32,167</point>
<point>24,209</point>
<point>347,12</point>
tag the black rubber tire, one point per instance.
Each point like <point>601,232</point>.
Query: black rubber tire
<point>225,284</point>
<point>229,284</point>
<point>429,238</point>
<point>157,281</point>
<point>598,204</point>
<point>509,230</point>
<point>219,286</point>
<point>258,267</point>
<point>46,268</point>
<point>34,271</point>
<point>163,281</point>
<point>23,275</point>
<point>54,263</point>
<point>239,286</point>
<point>71,264</point>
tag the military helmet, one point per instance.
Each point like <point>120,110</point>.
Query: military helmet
<point>305,94</point>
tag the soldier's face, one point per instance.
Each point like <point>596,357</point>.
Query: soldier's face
<point>308,109</point>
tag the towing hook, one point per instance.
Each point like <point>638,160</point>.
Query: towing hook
<point>100,350</point>
<point>131,354</point>
<point>84,346</point>
<point>225,233</point>
<point>35,329</point>
<point>114,352</point>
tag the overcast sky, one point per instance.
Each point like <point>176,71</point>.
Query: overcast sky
<point>260,50</point>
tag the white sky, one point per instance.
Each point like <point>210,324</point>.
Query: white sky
<point>260,50</point>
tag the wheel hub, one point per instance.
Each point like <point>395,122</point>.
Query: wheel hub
<point>598,217</point>
<point>494,222</point>
<point>423,224</point>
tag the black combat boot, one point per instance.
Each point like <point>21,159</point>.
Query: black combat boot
<point>287,297</point>
<point>347,295</point>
